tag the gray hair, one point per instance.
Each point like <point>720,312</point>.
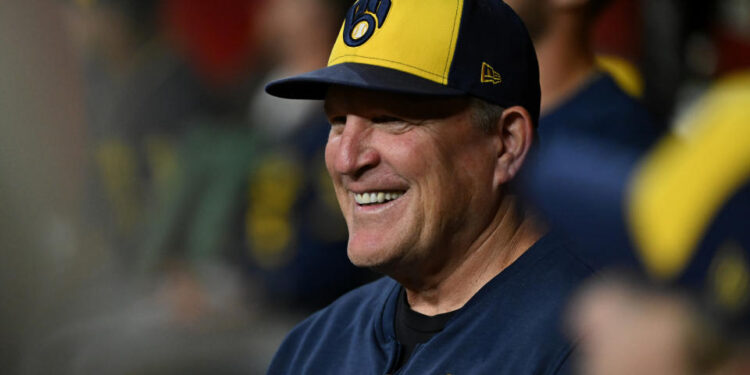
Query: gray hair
<point>485,114</point>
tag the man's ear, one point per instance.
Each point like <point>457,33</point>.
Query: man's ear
<point>516,133</point>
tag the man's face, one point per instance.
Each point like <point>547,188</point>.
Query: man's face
<point>413,176</point>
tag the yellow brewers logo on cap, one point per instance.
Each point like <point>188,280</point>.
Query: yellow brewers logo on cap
<point>360,30</point>
<point>362,19</point>
<point>387,33</point>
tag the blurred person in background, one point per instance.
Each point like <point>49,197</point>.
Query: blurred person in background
<point>579,99</point>
<point>117,305</point>
<point>294,234</point>
<point>192,220</point>
<point>165,80</point>
<point>139,96</point>
<point>577,96</point>
<point>682,211</point>
<point>686,213</point>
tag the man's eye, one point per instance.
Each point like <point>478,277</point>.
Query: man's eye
<point>337,124</point>
<point>393,124</point>
<point>385,119</point>
<point>338,120</point>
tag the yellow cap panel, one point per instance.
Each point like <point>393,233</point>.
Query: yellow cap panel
<point>412,38</point>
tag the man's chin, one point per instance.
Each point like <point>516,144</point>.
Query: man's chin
<point>373,258</point>
<point>364,259</point>
<point>383,262</point>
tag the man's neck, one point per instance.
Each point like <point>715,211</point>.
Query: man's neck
<point>566,60</point>
<point>505,240</point>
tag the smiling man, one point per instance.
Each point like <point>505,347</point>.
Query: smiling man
<point>432,108</point>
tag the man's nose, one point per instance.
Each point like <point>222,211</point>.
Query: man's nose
<point>355,153</point>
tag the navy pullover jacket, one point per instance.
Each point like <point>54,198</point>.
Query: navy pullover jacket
<point>511,326</point>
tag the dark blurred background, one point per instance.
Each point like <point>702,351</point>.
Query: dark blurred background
<point>160,214</point>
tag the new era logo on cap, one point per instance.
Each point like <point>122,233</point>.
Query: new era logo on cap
<point>489,75</point>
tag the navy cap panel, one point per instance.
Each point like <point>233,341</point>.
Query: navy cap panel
<point>313,85</point>
<point>499,49</point>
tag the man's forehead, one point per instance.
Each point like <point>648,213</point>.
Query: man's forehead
<point>350,99</point>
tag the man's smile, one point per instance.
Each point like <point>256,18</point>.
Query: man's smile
<point>376,197</point>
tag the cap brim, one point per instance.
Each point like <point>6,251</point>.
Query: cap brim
<point>314,85</point>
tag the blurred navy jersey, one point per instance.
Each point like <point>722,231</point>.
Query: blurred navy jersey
<point>295,234</point>
<point>577,139</point>
<point>579,184</point>
<point>601,110</point>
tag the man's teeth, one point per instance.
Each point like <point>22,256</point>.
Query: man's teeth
<point>376,197</point>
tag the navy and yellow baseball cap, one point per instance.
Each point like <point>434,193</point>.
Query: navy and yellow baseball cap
<point>441,48</point>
